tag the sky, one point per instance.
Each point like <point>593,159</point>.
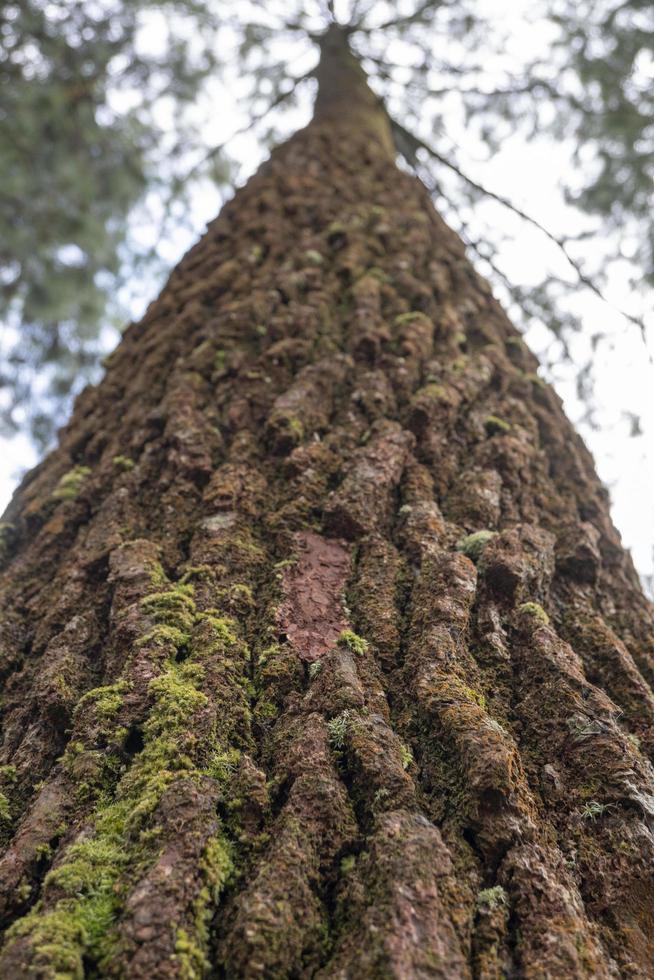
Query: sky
<point>530,174</point>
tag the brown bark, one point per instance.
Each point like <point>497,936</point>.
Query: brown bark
<point>274,706</point>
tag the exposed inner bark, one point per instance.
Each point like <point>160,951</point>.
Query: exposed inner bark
<point>321,654</point>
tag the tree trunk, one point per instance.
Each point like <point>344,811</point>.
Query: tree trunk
<point>322,655</point>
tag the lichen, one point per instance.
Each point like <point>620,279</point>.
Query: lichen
<point>71,483</point>
<point>472,545</point>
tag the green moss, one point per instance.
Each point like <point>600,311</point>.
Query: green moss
<point>242,593</point>
<point>265,710</point>
<point>220,633</point>
<point>353,642</point>
<point>406,756</point>
<point>535,610</point>
<point>405,318</point>
<point>108,699</point>
<point>376,273</point>
<point>492,898</point>
<point>8,774</point>
<point>176,694</point>
<point>80,921</point>
<point>473,544</point>
<point>593,810</point>
<point>24,890</point>
<point>313,257</point>
<point>203,573</point>
<point>432,391</point>
<point>634,741</point>
<point>5,809</point>
<point>7,532</point>
<point>314,669</point>
<point>190,956</point>
<point>337,730</point>
<point>495,425</point>
<point>74,927</point>
<point>71,483</point>
<point>174,607</point>
<point>191,947</point>
<point>457,687</point>
<point>220,361</point>
<point>156,573</point>
<point>348,864</point>
<point>123,463</point>
<point>59,939</point>
<point>222,764</point>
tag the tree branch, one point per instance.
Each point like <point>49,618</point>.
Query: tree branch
<point>408,145</point>
<point>419,15</point>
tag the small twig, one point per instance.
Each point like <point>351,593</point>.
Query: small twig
<point>419,15</point>
<point>408,144</point>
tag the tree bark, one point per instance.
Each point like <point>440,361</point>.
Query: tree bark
<point>322,656</point>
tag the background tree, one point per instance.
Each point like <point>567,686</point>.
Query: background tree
<point>87,140</point>
<point>321,654</point>
<point>108,135</point>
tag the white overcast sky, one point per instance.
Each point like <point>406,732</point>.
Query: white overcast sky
<point>530,175</point>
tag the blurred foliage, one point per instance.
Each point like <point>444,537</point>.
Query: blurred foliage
<point>85,103</point>
<point>610,108</point>
<point>99,120</point>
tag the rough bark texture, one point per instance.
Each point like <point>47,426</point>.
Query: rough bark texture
<point>321,654</point>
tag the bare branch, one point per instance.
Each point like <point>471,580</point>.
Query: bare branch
<point>408,144</point>
<point>421,14</point>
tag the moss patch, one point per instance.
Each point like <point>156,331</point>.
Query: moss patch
<point>473,544</point>
<point>353,642</point>
<point>533,609</point>
<point>72,927</point>
<point>492,898</point>
<point>71,483</point>
<point>123,463</point>
<point>495,425</point>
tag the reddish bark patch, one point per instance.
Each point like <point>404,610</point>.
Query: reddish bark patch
<point>312,614</point>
